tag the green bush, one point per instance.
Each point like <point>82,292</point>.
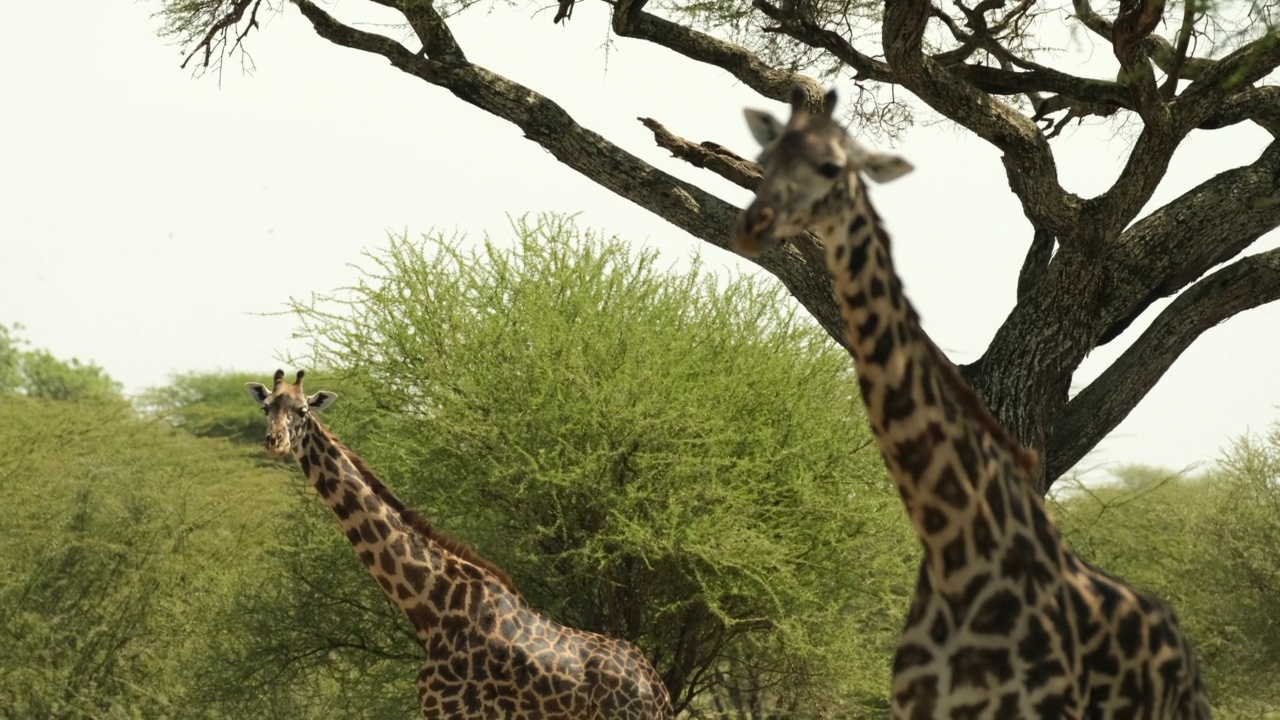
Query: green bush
<point>676,459</point>
<point>37,373</point>
<point>123,538</point>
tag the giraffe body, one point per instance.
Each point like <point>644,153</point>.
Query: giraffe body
<point>1006,621</point>
<point>489,654</point>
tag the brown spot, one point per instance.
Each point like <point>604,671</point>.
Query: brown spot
<point>909,656</point>
<point>970,667</point>
<point>984,542</point>
<point>458,597</point>
<point>921,695</point>
<point>877,288</point>
<point>932,521</point>
<point>884,347</point>
<point>949,488</point>
<point>998,614</point>
<point>439,591</point>
<point>415,575</point>
<point>954,556</point>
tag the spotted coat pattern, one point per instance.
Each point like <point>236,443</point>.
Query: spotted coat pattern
<point>489,655</point>
<point>1006,621</point>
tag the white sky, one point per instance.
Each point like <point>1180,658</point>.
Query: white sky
<point>146,217</point>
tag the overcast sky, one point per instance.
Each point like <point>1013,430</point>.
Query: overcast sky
<point>148,218</point>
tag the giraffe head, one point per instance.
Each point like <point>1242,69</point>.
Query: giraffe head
<point>287,409</point>
<point>811,168</point>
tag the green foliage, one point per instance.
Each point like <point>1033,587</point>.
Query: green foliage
<point>37,373</point>
<point>1238,610</point>
<point>208,405</point>
<point>674,459</point>
<point>123,536</point>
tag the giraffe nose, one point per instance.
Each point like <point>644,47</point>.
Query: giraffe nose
<point>751,236</point>
<point>276,445</point>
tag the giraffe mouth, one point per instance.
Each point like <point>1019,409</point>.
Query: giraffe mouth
<point>277,447</point>
<point>753,234</point>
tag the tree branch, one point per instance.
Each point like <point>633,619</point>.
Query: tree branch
<point>738,61</point>
<point>437,40</point>
<point>1205,226</point>
<point>1036,263</point>
<point>217,32</point>
<point>1243,285</point>
<point>1233,73</point>
<point>1141,175</point>
<point>686,206</point>
<point>1029,163</point>
<point>1157,48</point>
<point>1260,104</point>
<point>1182,43</point>
<point>806,31</point>
<point>708,155</point>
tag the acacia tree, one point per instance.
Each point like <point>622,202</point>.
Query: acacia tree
<point>1092,265</point>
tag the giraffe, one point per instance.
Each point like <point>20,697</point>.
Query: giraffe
<point>1006,621</point>
<point>489,654</point>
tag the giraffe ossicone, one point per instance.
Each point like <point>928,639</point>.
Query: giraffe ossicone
<point>489,655</point>
<point>1006,620</point>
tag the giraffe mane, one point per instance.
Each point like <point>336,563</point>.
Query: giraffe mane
<point>419,522</point>
<point>1028,459</point>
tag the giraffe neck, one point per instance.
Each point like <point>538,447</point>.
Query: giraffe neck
<point>418,574</point>
<point>960,475</point>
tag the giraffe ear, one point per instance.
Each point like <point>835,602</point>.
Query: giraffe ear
<point>764,127</point>
<point>883,167</point>
<point>322,400</point>
<point>258,392</point>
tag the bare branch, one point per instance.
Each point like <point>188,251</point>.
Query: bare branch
<point>1029,163</point>
<point>1243,285</point>
<point>437,40</point>
<point>1092,20</point>
<point>770,82</point>
<point>1181,45</point>
<point>806,31</point>
<point>708,155</point>
<point>216,35</point>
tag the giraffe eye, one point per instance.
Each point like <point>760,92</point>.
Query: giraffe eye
<point>829,170</point>
<point>302,412</point>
